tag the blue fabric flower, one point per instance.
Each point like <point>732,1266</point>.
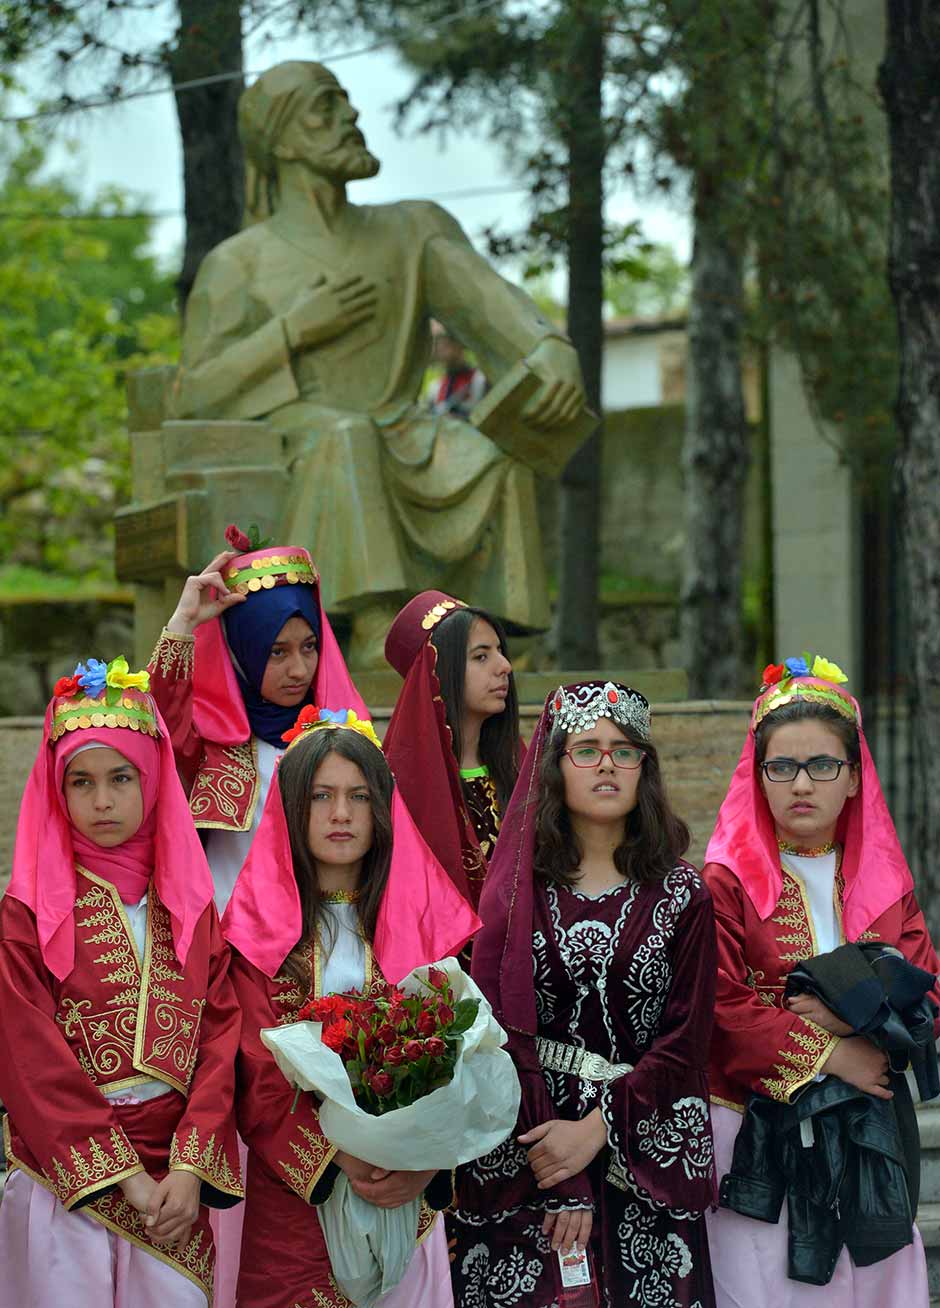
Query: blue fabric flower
<point>92,678</point>
<point>797,667</point>
<point>339,716</point>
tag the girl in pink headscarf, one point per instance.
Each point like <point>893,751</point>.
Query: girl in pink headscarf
<point>804,858</point>
<point>119,1024</point>
<point>339,892</point>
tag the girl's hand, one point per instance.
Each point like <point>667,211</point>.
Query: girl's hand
<point>562,1149</point>
<point>357,1170</point>
<point>858,1062</point>
<point>815,1010</point>
<point>138,1190</point>
<point>203,597</point>
<point>173,1208</point>
<point>569,1228</point>
<point>395,1189</point>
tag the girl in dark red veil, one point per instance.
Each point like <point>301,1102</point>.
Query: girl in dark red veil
<point>598,956</point>
<point>453,740</point>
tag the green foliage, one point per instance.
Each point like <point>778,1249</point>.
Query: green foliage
<point>81,302</point>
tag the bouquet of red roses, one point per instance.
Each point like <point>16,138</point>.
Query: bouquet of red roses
<point>395,1047</point>
<point>411,1077</point>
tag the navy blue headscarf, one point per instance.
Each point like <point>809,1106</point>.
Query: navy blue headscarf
<point>251,629</point>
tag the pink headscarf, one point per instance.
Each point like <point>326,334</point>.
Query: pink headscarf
<point>423,917</point>
<point>165,846</point>
<point>744,840</point>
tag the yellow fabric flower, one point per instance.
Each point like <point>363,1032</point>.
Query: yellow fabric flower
<point>120,676</point>
<point>828,671</point>
<point>364,727</point>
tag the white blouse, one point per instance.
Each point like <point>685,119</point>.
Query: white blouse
<point>226,851</point>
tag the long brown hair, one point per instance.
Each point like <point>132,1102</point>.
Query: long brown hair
<point>654,838</point>
<point>296,777</point>
<point>499,734</point>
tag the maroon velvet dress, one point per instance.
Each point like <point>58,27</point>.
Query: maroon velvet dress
<point>628,975</point>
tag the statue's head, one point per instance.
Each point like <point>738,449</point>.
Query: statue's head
<point>297,112</point>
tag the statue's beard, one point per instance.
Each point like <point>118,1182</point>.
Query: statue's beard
<point>351,162</point>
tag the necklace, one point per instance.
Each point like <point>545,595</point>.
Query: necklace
<point>817,851</point>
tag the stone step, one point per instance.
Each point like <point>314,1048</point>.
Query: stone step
<point>928,1123</point>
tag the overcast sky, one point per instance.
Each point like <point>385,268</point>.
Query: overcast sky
<point>136,146</point>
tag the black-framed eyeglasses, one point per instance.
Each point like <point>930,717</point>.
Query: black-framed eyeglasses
<point>590,756</point>
<point>817,769</point>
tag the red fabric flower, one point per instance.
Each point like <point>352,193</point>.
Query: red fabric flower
<point>65,687</point>
<point>237,539</point>
<point>435,1046</point>
<point>307,716</point>
<point>772,673</point>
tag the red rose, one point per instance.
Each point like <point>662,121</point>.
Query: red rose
<point>397,1015</point>
<point>427,1023</point>
<point>394,1056</point>
<point>413,1050</point>
<point>65,687</point>
<point>386,1034</point>
<point>435,1046</point>
<point>237,539</point>
<point>772,673</point>
<point>437,978</point>
<point>445,1014</point>
<point>382,1084</point>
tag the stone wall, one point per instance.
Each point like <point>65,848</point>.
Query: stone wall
<point>699,744</point>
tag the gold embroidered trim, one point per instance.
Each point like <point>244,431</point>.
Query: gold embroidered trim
<point>196,1261</point>
<point>797,1069</point>
<point>207,1162</point>
<point>173,653</point>
<point>766,996</point>
<point>176,1040</point>
<point>222,788</point>
<point>793,911</point>
<point>314,1156</point>
<point>100,1169</point>
<point>336,1299</point>
<point>726,1103</point>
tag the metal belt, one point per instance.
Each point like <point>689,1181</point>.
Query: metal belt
<point>557,1057</point>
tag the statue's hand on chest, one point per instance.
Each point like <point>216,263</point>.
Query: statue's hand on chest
<point>329,308</point>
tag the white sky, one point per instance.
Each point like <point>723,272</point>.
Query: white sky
<point>136,145</point>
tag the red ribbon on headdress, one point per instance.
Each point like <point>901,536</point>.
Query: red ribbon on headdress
<point>874,868</point>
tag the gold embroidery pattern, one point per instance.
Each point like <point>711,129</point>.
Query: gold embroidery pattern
<point>196,1261</point>
<point>173,652</point>
<point>792,913</point>
<point>765,996</point>
<point>314,1156</point>
<point>336,1299</point>
<point>108,1037</point>
<point>100,1167</point>
<point>798,1069</point>
<point>292,998</point>
<point>221,789</point>
<point>176,1039</point>
<point>484,814</point>
<point>206,1161</point>
<point>868,935</point>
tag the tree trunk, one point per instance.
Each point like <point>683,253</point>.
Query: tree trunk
<point>910,85</point>
<point>715,456</point>
<point>209,41</point>
<point>579,537</point>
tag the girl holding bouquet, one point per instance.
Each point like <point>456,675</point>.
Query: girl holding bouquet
<point>804,858</point>
<point>453,739</point>
<point>598,955</point>
<point>120,1026</point>
<point>339,892</point>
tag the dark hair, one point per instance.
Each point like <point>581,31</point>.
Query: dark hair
<point>499,734</point>
<point>296,775</point>
<point>654,838</point>
<point>802,710</point>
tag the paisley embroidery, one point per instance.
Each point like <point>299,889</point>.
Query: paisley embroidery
<point>685,1135</point>
<point>222,790</point>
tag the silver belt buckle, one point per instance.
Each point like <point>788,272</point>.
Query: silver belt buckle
<point>593,1068</point>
